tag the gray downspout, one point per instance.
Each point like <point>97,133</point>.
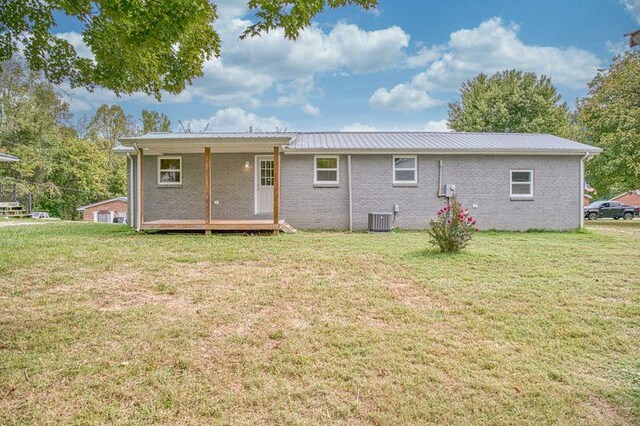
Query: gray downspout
<point>582,160</point>
<point>440,193</point>
<point>350,195</point>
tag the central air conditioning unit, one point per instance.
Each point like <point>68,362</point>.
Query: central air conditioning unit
<point>380,222</point>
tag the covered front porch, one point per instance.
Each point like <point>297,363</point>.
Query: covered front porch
<point>224,182</point>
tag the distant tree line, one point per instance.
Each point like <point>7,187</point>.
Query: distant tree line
<point>607,117</point>
<point>64,163</point>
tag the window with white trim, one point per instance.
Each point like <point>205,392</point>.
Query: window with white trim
<point>405,169</point>
<point>169,170</point>
<point>521,183</point>
<point>326,170</point>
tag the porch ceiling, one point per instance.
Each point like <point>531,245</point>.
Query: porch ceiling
<point>160,143</point>
<point>153,149</point>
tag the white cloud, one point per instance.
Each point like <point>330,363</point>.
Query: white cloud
<point>437,126</point>
<point>311,110</point>
<point>249,68</point>
<point>75,39</point>
<point>633,7</point>
<point>236,120</point>
<point>358,127</point>
<point>490,47</point>
<point>345,48</point>
<point>296,92</point>
<point>402,98</point>
<point>423,57</point>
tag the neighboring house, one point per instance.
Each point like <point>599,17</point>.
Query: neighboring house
<point>264,181</point>
<point>587,199</point>
<point>6,158</point>
<point>108,211</point>
<point>629,197</point>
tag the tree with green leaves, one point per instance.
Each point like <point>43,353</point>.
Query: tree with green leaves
<point>60,169</point>
<point>610,118</point>
<point>109,124</point>
<point>106,127</point>
<point>137,46</point>
<point>154,121</point>
<point>510,101</point>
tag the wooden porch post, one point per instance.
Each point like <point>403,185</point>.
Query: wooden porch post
<point>207,189</point>
<point>276,185</point>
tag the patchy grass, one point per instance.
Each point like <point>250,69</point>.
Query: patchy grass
<point>99,325</point>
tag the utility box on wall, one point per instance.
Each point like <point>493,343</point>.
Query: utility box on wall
<point>449,190</point>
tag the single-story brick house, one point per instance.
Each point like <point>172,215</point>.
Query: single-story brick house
<point>630,197</point>
<point>107,211</point>
<point>334,180</point>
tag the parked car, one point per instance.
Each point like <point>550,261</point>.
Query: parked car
<point>40,215</point>
<point>610,209</point>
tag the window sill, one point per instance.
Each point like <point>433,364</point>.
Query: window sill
<point>326,185</point>
<point>527,198</point>
<point>407,184</point>
<point>169,185</point>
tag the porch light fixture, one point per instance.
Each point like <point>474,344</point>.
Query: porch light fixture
<point>246,164</point>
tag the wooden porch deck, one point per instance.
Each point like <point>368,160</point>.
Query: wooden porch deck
<point>218,225</point>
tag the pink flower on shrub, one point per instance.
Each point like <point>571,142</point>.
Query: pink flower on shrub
<point>453,227</point>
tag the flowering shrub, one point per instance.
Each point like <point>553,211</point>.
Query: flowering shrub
<point>453,228</point>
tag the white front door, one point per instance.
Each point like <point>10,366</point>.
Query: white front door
<point>264,184</point>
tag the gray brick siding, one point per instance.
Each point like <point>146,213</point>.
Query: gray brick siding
<point>310,207</point>
<point>481,180</point>
<point>183,202</point>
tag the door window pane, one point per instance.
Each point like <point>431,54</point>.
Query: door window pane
<point>266,173</point>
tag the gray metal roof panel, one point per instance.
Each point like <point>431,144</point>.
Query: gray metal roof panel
<point>391,141</point>
<point>434,141</point>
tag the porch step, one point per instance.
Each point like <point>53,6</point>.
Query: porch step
<point>287,229</point>
<point>13,210</point>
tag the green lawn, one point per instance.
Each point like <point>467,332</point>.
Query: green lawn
<point>100,325</point>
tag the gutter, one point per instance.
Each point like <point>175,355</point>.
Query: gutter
<point>316,151</point>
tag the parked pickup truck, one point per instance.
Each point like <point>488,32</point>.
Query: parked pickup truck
<point>610,209</point>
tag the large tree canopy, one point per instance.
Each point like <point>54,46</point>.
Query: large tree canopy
<point>510,101</point>
<point>610,117</point>
<point>61,170</point>
<point>137,46</point>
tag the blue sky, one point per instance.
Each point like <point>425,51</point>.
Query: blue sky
<point>394,68</point>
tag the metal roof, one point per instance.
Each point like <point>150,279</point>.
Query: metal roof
<point>436,142</point>
<point>167,136</point>
<point>449,142</point>
<point>124,199</point>
<point>8,158</point>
